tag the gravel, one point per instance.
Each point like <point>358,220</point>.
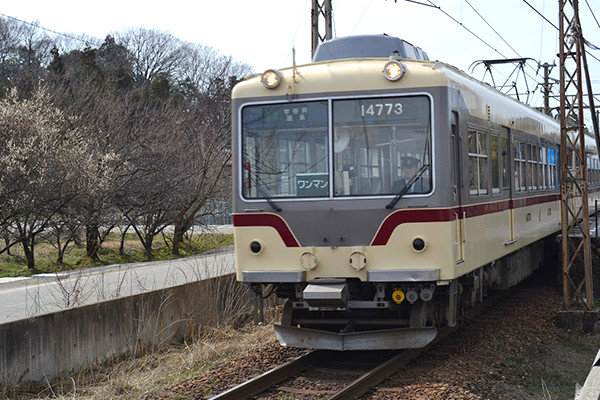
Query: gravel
<point>513,352</point>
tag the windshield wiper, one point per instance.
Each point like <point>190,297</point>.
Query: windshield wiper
<point>407,187</point>
<point>266,195</point>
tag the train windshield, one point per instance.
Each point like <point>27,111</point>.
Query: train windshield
<point>378,144</point>
<point>285,150</point>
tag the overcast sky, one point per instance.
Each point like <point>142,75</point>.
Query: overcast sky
<point>263,33</point>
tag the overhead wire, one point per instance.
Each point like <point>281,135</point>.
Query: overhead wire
<point>540,14</point>
<point>292,48</point>
<point>555,27</point>
<point>37,26</point>
<point>467,29</point>
<point>361,16</point>
<point>536,71</point>
<point>483,41</point>
<point>492,28</point>
<point>592,11</point>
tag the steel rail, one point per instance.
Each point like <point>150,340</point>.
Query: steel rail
<point>359,386</point>
<point>365,382</point>
<point>268,379</point>
<point>371,378</point>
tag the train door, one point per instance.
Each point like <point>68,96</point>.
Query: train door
<point>507,178</point>
<point>457,186</point>
<point>501,182</point>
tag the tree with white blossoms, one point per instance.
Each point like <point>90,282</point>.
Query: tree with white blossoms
<point>134,132</point>
<point>42,158</point>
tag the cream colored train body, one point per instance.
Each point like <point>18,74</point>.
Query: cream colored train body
<point>326,215</point>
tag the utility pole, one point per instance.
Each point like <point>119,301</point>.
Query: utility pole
<point>320,9</point>
<point>577,284</point>
<point>547,68</point>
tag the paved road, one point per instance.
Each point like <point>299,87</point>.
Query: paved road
<point>46,293</point>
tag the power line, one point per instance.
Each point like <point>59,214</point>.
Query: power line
<point>487,44</point>
<point>540,14</point>
<point>502,38</point>
<point>464,27</point>
<point>555,27</point>
<point>37,26</point>
<point>492,28</point>
<point>592,11</point>
<point>362,15</point>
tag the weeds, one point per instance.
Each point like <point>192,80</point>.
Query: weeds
<point>214,330</point>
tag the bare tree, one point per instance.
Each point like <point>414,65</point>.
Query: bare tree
<point>92,86</point>
<point>144,119</point>
<point>62,230</point>
<point>207,138</point>
<point>201,65</point>
<point>154,52</point>
<point>147,201</point>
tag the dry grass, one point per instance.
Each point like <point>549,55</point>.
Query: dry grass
<point>134,378</point>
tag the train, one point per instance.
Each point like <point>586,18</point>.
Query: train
<point>382,195</point>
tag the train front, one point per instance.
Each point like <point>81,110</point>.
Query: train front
<point>333,184</point>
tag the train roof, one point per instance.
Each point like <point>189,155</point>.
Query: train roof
<point>367,46</point>
<point>339,75</point>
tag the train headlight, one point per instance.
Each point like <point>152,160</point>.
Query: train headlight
<point>394,70</point>
<point>271,78</point>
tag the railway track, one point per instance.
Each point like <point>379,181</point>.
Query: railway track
<point>334,375</point>
<point>326,374</point>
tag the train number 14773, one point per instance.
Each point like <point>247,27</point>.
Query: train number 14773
<point>380,109</point>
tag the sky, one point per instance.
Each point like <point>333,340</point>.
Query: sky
<point>263,33</point>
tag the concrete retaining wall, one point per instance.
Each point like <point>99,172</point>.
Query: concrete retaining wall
<point>46,346</point>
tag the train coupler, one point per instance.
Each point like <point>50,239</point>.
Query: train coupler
<point>326,293</point>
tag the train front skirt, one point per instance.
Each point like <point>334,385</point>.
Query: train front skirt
<point>385,339</point>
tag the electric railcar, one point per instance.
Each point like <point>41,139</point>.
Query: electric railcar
<point>382,194</point>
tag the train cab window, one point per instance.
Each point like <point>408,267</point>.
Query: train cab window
<point>478,162</point>
<point>380,143</point>
<point>285,150</point>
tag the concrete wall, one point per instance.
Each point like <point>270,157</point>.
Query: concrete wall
<point>46,346</point>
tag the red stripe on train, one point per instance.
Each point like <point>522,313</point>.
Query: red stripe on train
<point>446,215</point>
<point>397,218</point>
<point>409,216</point>
<point>272,220</point>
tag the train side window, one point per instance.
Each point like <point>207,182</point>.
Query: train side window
<point>552,155</point>
<point>536,167</point>
<point>520,166</point>
<point>530,172</point>
<point>454,146</point>
<point>505,179</point>
<point>478,162</point>
<point>543,168</point>
<point>495,164</point>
